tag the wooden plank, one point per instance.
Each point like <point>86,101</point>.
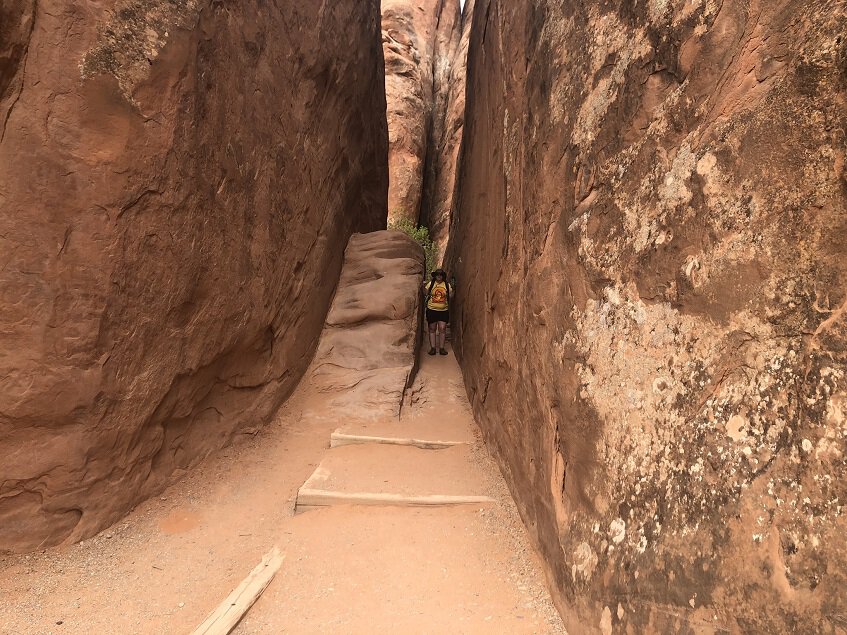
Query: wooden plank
<point>310,498</point>
<point>224,618</point>
<point>338,439</point>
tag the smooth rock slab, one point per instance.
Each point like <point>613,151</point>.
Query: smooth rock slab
<point>366,356</point>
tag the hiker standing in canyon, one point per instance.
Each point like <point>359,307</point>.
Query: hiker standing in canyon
<point>437,310</point>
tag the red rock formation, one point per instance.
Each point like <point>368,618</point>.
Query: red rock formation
<point>177,184</point>
<point>367,355</point>
<point>16,20</point>
<point>650,242</point>
<point>418,37</point>
<point>447,124</point>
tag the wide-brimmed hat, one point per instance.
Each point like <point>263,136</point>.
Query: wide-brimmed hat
<point>437,271</point>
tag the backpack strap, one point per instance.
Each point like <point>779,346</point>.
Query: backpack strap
<point>429,291</point>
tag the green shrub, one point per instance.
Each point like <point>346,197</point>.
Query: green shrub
<point>420,235</point>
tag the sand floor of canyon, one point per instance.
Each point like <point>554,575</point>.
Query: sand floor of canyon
<point>347,569</point>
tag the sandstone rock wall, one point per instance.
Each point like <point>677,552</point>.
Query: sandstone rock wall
<point>652,303</point>
<point>418,38</point>
<point>177,184</point>
<point>439,186</point>
<point>368,353</point>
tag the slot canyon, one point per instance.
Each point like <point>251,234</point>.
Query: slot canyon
<point>211,346</point>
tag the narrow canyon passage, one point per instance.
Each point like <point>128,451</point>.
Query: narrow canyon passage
<point>457,564</point>
<point>643,205</point>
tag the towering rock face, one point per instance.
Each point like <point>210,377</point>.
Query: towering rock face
<point>418,38</point>
<point>448,120</point>
<point>652,303</point>
<point>177,184</point>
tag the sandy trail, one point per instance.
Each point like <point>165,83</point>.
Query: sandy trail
<point>348,569</point>
<point>164,567</point>
<point>452,569</point>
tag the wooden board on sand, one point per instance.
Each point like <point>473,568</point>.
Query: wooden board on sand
<point>224,618</point>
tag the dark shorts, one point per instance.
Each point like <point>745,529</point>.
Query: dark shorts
<point>437,316</point>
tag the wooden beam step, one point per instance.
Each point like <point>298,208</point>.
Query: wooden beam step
<point>338,439</point>
<point>308,498</point>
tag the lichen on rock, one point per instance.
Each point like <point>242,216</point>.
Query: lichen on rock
<point>132,37</point>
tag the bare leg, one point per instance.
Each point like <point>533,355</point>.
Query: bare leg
<point>442,335</point>
<point>432,336</point>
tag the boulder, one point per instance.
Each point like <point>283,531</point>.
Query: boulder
<point>367,355</point>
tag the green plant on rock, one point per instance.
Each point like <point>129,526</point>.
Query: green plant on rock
<point>420,235</point>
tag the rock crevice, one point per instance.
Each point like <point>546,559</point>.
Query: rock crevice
<point>425,45</point>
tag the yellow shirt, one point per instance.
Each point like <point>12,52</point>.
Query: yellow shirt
<point>438,297</point>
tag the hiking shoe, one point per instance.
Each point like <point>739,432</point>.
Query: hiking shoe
<point>432,351</point>
<point>442,351</point>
